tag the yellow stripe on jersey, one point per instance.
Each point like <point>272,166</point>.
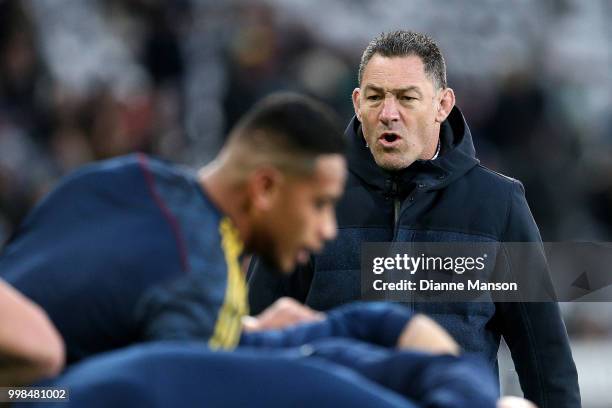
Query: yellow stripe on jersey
<point>235,304</point>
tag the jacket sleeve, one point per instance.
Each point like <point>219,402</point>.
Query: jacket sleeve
<point>535,331</point>
<point>267,285</point>
<point>372,322</point>
<point>430,380</point>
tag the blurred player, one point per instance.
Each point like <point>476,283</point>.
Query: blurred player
<point>30,347</point>
<point>135,249</point>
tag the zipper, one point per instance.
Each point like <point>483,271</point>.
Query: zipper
<point>396,211</point>
<point>396,205</point>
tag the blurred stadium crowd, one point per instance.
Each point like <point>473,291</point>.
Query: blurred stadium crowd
<point>83,80</point>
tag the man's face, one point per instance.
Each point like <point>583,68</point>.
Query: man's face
<point>399,110</point>
<point>301,216</point>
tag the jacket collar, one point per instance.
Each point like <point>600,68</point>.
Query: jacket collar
<point>457,156</point>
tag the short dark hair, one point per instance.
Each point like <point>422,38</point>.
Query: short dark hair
<point>300,123</point>
<point>403,43</point>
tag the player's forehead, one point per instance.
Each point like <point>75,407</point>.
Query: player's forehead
<point>394,73</point>
<point>327,177</point>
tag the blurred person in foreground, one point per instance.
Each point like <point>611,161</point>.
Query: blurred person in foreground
<point>135,249</point>
<point>414,177</point>
<point>30,347</point>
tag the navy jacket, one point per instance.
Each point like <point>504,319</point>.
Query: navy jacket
<point>450,199</point>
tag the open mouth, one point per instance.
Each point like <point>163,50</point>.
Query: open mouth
<point>389,139</point>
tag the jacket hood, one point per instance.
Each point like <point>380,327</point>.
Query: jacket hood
<point>457,156</point>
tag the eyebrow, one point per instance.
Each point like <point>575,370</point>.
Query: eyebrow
<point>396,90</point>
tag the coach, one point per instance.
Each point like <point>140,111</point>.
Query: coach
<point>414,176</point>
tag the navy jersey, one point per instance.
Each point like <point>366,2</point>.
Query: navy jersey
<point>130,249</point>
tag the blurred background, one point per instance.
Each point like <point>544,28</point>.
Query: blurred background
<point>84,80</point>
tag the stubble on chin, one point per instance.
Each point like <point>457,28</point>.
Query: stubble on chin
<point>390,160</point>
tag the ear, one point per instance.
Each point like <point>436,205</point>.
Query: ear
<point>357,102</point>
<point>263,187</point>
<point>446,104</point>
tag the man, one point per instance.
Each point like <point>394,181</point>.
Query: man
<point>134,249</point>
<point>414,177</point>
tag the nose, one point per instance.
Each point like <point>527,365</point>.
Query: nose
<point>327,229</point>
<point>329,226</point>
<point>389,112</point>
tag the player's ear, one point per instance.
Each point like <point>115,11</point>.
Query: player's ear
<point>445,104</point>
<point>356,102</point>
<point>263,187</point>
